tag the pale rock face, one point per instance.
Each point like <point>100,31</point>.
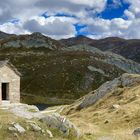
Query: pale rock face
<point>125,80</point>
<point>35,127</point>
<point>127,65</point>
<point>49,133</point>
<point>136,132</point>
<point>52,120</point>
<point>56,121</point>
<point>91,68</point>
<point>12,129</point>
<point>116,106</point>
<point>25,111</point>
<point>19,128</point>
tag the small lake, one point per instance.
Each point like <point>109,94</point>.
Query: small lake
<point>42,107</point>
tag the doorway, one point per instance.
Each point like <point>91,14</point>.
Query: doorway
<point>5,91</point>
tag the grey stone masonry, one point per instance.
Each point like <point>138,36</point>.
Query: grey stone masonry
<point>9,83</point>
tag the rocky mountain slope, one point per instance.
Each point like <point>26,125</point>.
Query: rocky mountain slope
<point>108,57</point>
<point>21,121</point>
<point>4,35</point>
<point>110,112</point>
<point>29,41</point>
<point>53,73</point>
<point>130,49</point>
<point>79,40</point>
<point>58,74</point>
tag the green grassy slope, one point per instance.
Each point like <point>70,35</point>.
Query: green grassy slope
<point>57,74</point>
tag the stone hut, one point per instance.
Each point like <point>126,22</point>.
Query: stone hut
<point>9,83</point>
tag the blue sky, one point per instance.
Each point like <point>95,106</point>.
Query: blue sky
<point>69,18</point>
<point>112,11</point>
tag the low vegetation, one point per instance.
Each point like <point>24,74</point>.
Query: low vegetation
<point>57,75</point>
<point>114,117</point>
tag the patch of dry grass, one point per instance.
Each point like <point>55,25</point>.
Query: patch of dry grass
<point>101,121</point>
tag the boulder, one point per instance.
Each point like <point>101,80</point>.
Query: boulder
<point>56,121</point>
<point>126,80</point>
<point>136,132</point>
<point>12,129</point>
<point>25,111</point>
<point>115,106</point>
<point>49,133</point>
<point>35,127</point>
<point>19,128</point>
<point>16,127</point>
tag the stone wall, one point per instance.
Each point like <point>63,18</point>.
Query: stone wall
<point>7,75</point>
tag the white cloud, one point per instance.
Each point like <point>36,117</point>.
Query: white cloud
<point>13,28</point>
<point>134,7</point>
<point>25,9</point>
<point>29,13</point>
<point>100,28</point>
<point>55,28</point>
<point>129,14</point>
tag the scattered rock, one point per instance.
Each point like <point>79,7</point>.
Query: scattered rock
<point>93,69</point>
<point>126,80</point>
<point>16,135</point>
<point>49,133</point>
<point>19,128</point>
<point>12,129</point>
<point>25,111</point>
<point>115,106</point>
<point>35,127</point>
<point>106,121</point>
<point>136,132</point>
<point>56,121</point>
<point>43,131</point>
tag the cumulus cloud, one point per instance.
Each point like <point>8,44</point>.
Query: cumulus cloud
<point>25,9</point>
<point>29,13</point>
<point>134,7</point>
<point>84,12</point>
<point>102,28</point>
<point>55,28</point>
<point>13,28</point>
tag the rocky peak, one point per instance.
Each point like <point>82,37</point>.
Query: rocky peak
<point>4,35</point>
<point>36,34</point>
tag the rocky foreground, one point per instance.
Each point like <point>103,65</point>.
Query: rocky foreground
<point>112,112</point>
<point>22,121</point>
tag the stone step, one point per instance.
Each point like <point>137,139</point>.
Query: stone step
<point>5,102</point>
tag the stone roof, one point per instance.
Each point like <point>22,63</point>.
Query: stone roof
<point>11,66</point>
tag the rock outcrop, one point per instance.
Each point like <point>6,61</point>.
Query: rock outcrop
<point>56,121</point>
<point>130,49</point>
<point>16,127</point>
<point>108,57</point>
<point>123,81</point>
<point>136,132</point>
<point>51,120</point>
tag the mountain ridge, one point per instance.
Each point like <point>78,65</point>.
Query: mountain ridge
<point>129,48</point>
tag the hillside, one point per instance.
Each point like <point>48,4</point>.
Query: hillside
<point>58,74</point>
<point>79,40</point>
<point>55,74</point>
<point>111,111</point>
<point>22,121</point>
<point>130,49</point>
<point>34,40</point>
<point>4,35</point>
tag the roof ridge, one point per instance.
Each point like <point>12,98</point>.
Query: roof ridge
<point>10,65</point>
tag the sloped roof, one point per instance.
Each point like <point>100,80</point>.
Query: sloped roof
<point>11,66</point>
